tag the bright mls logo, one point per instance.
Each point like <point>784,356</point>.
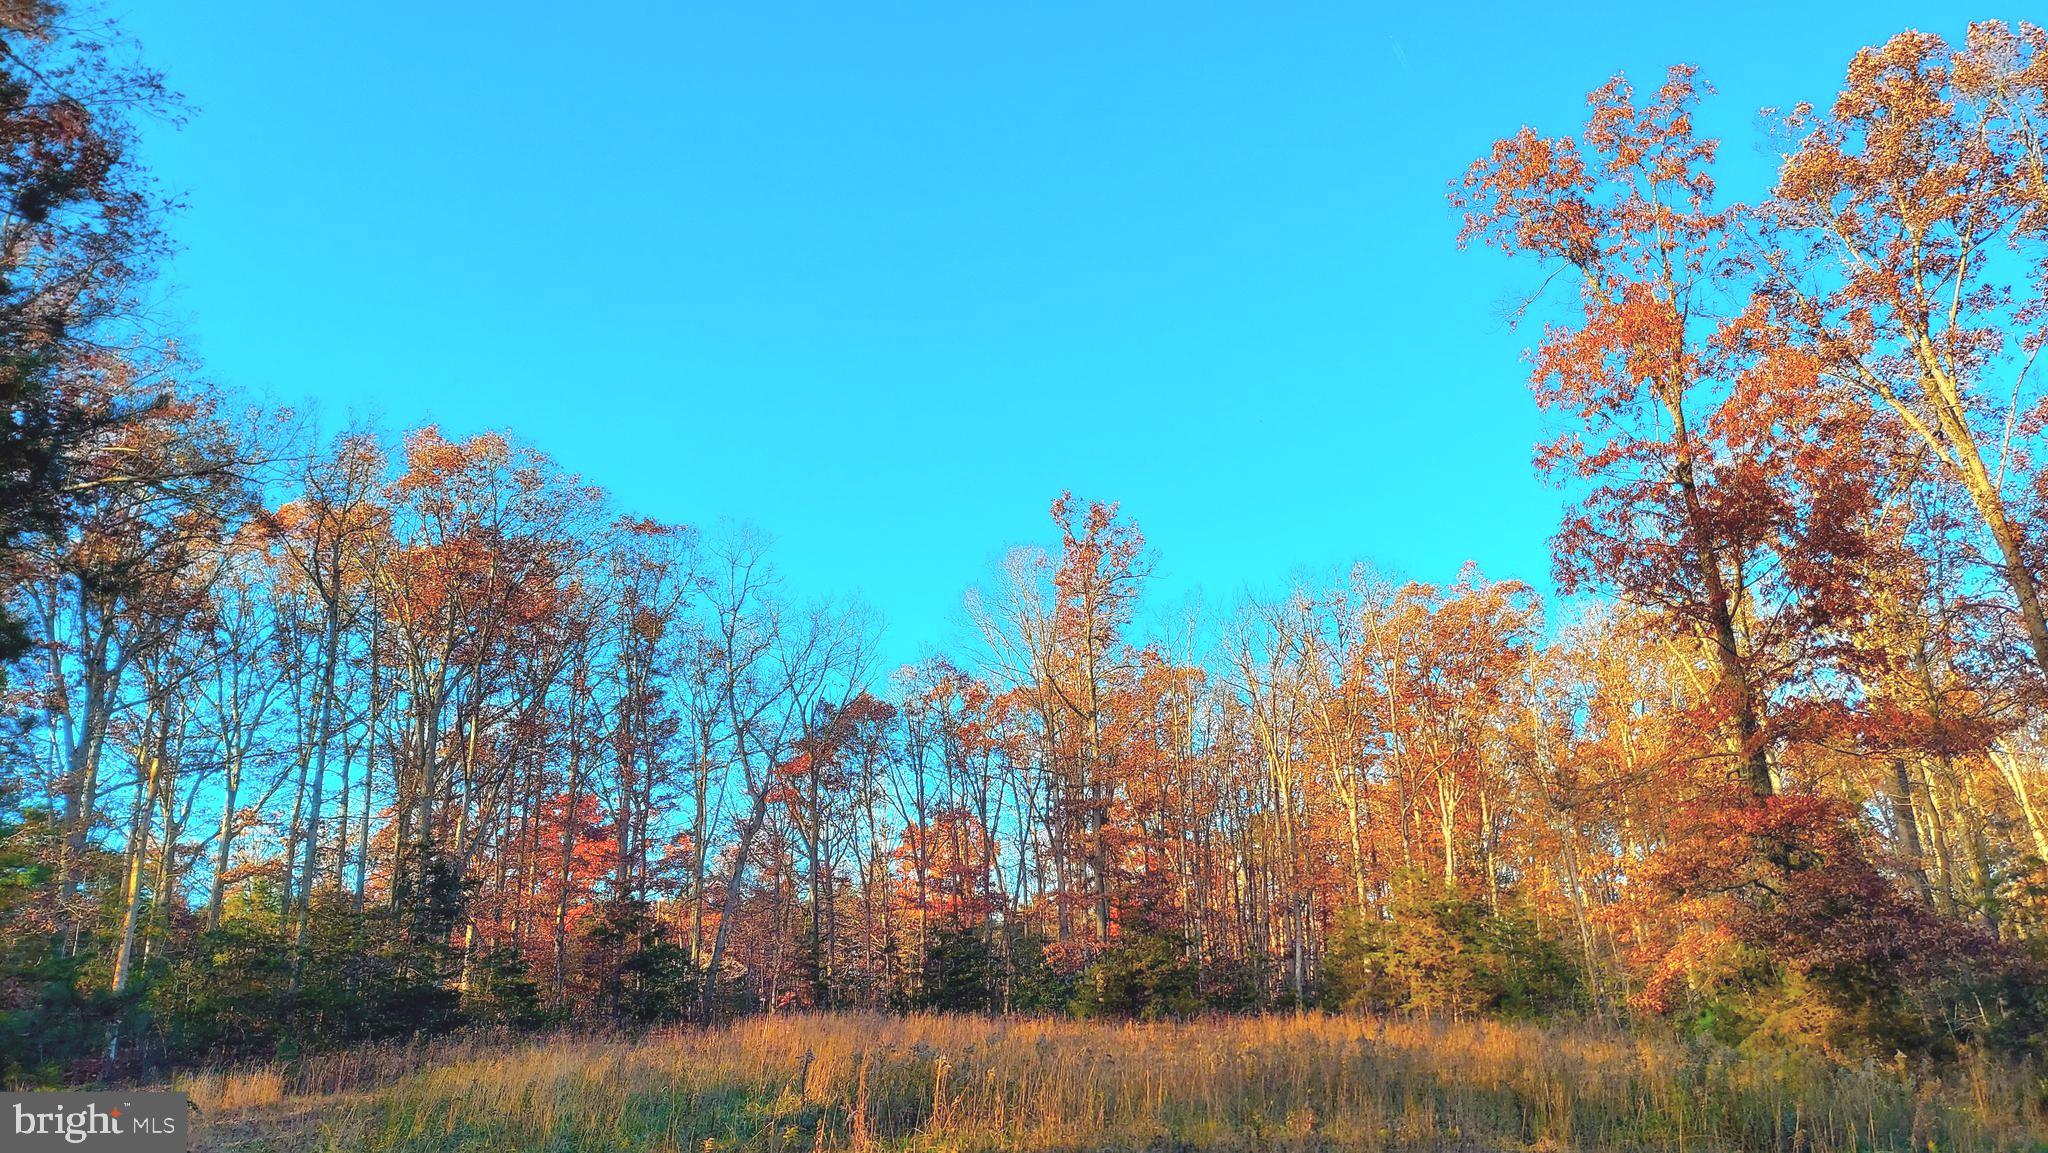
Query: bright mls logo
<point>128,1122</point>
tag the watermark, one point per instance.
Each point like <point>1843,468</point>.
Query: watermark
<point>115,1122</point>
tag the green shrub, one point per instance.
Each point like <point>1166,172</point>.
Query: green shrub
<point>1035,985</point>
<point>1452,954</point>
<point>1143,976</point>
<point>958,975</point>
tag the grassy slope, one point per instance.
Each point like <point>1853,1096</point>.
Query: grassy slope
<point>871,1083</point>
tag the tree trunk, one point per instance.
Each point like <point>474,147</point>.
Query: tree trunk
<point>323,733</point>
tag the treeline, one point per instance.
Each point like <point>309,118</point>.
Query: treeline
<point>311,742</point>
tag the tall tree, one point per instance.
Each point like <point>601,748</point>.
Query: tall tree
<point>1913,238</point>
<point>1672,517</point>
<point>78,237</point>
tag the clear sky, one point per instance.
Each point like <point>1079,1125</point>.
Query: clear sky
<point>883,279</point>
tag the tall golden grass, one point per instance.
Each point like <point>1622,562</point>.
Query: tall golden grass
<point>870,1083</point>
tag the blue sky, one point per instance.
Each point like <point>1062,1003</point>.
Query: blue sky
<point>883,279</point>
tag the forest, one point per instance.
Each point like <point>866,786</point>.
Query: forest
<point>313,738</point>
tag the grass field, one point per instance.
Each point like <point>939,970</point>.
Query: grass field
<point>858,1082</point>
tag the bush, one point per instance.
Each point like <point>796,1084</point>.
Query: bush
<point>1036,986</point>
<point>1807,944</point>
<point>53,1027</point>
<point>638,973</point>
<point>1237,985</point>
<point>958,975</point>
<point>1447,954</point>
<point>229,993</point>
<point>502,993</point>
<point>1143,976</point>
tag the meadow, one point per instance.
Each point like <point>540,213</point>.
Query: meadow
<point>863,1082</point>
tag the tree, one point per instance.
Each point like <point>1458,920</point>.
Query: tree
<point>1673,516</point>
<point>329,536</point>
<point>79,237</point>
<point>1912,234</point>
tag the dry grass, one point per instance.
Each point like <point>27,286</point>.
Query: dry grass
<point>855,1082</point>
